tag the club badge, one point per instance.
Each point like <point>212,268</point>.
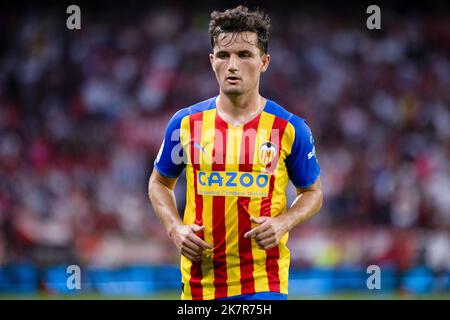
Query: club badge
<point>268,150</point>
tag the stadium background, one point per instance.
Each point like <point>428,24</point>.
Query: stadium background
<point>82,116</point>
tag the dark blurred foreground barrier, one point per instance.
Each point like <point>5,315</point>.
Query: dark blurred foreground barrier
<point>151,279</point>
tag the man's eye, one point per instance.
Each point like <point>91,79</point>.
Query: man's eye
<point>244,55</point>
<point>222,55</point>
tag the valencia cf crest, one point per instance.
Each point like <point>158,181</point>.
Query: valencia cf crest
<point>268,150</point>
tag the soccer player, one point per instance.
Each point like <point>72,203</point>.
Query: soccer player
<point>239,151</point>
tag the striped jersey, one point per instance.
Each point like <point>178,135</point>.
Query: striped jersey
<point>233,172</point>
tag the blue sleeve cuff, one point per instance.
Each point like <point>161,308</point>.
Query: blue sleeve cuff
<point>164,173</point>
<point>309,183</point>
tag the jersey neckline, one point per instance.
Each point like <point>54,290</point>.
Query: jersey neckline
<point>241,125</point>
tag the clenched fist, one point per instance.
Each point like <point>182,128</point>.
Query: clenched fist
<point>268,233</point>
<point>188,242</point>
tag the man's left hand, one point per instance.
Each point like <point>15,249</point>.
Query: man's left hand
<point>268,232</point>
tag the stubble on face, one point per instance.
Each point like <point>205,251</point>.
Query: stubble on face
<point>244,48</point>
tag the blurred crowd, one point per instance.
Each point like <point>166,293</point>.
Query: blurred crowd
<point>83,112</point>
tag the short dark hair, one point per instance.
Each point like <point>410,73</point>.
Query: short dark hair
<point>240,19</point>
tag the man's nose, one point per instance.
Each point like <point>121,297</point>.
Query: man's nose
<point>233,64</point>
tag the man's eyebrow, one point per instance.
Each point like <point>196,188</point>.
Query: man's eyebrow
<point>238,52</point>
<point>221,52</point>
<point>245,51</point>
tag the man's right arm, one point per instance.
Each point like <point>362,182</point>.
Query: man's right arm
<point>162,197</point>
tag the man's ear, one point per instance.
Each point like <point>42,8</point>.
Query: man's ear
<point>211,60</point>
<point>265,62</point>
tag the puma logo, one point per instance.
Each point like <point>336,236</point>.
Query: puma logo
<point>198,146</point>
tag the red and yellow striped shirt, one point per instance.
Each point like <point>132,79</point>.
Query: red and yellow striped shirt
<point>233,172</point>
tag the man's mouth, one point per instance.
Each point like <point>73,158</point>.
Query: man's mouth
<point>232,79</point>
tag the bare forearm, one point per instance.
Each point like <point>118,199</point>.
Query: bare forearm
<point>164,204</point>
<point>304,207</point>
<point>162,197</point>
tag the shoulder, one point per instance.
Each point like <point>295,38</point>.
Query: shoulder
<point>294,122</point>
<point>201,106</point>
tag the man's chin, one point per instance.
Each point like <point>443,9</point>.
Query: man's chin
<point>232,91</point>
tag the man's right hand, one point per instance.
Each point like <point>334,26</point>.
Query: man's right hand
<point>190,244</point>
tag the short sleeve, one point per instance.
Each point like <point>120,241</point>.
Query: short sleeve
<point>302,164</point>
<point>170,161</point>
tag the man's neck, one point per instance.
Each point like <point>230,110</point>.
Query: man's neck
<point>238,110</point>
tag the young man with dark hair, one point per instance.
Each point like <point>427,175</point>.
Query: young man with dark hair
<point>239,150</point>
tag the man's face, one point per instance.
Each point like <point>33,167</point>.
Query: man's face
<point>237,62</point>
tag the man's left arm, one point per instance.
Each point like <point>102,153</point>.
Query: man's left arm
<point>271,229</point>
